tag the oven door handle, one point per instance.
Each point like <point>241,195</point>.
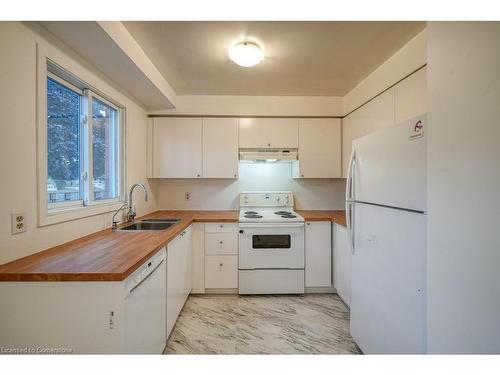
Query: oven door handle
<point>273,225</point>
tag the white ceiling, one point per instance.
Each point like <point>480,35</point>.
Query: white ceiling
<point>301,58</point>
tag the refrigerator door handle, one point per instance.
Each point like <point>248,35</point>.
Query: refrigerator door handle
<point>349,190</point>
<point>349,198</point>
<point>349,213</point>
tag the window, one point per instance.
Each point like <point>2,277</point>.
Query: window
<point>84,143</point>
<point>63,143</point>
<point>104,150</point>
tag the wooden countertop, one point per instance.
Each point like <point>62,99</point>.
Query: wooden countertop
<point>106,255</point>
<point>337,216</point>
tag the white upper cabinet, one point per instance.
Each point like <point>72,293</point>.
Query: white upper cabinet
<point>319,149</point>
<point>220,148</point>
<point>375,115</point>
<point>176,147</point>
<point>410,96</point>
<point>405,100</point>
<point>269,133</point>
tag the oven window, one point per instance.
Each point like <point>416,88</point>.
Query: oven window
<point>271,241</point>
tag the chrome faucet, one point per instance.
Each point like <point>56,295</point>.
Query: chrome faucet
<point>131,209</point>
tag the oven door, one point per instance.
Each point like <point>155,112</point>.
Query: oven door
<point>272,246</point>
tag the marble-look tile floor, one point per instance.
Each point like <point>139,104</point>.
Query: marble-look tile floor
<point>231,324</point>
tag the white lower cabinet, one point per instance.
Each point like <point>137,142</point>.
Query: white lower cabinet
<point>342,259</point>
<point>221,244</point>
<point>179,275</point>
<point>318,254</point>
<point>221,256</point>
<point>198,274</point>
<point>221,271</point>
<point>87,317</point>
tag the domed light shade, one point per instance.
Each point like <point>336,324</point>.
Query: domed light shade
<point>246,54</point>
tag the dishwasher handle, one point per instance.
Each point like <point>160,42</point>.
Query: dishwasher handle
<point>151,266</point>
<point>145,278</point>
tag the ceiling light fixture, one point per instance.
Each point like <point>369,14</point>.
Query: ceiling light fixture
<point>246,54</point>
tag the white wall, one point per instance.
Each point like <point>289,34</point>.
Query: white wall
<point>220,194</point>
<point>464,187</point>
<point>241,105</point>
<point>18,144</point>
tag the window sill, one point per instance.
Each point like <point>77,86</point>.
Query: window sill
<point>74,213</point>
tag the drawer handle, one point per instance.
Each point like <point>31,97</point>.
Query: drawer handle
<point>222,226</point>
<point>221,264</point>
<point>221,242</point>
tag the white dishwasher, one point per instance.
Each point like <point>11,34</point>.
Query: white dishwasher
<point>145,307</point>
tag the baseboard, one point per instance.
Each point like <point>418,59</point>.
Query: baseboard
<point>221,291</point>
<point>320,289</point>
<point>307,290</point>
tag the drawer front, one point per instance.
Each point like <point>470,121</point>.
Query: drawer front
<point>221,244</point>
<point>221,227</point>
<point>221,271</point>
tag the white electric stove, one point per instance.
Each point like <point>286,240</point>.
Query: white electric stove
<point>271,244</point>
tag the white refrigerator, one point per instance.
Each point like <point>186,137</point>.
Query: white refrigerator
<point>386,222</point>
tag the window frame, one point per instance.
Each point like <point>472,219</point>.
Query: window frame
<point>50,64</point>
<point>54,206</point>
<point>90,170</point>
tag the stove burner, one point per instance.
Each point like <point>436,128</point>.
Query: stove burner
<point>289,216</point>
<point>251,212</point>
<point>283,213</point>
<point>253,216</point>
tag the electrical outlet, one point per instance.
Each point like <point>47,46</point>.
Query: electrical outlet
<point>187,196</point>
<point>18,221</point>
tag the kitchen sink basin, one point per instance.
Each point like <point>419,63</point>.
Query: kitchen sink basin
<point>150,225</point>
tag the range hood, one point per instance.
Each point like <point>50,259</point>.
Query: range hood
<point>268,155</point>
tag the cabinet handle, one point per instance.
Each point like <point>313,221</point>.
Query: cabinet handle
<point>221,242</point>
<point>221,264</point>
<point>198,175</point>
<point>308,223</point>
<point>235,175</point>
<point>222,226</point>
<point>268,145</point>
<point>302,175</point>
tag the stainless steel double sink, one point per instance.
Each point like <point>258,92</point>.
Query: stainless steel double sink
<point>150,224</point>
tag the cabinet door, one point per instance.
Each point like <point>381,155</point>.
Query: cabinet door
<point>198,258</point>
<point>319,148</point>
<point>220,148</point>
<point>177,144</point>
<point>342,259</point>
<point>377,114</point>
<point>318,248</point>
<point>174,284</point>
<point>221,271</point>
<point>179,275</point>
<point>221,244</point>
<point>187,258</point>
<point>269,133</point>
<point>410,96</point>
